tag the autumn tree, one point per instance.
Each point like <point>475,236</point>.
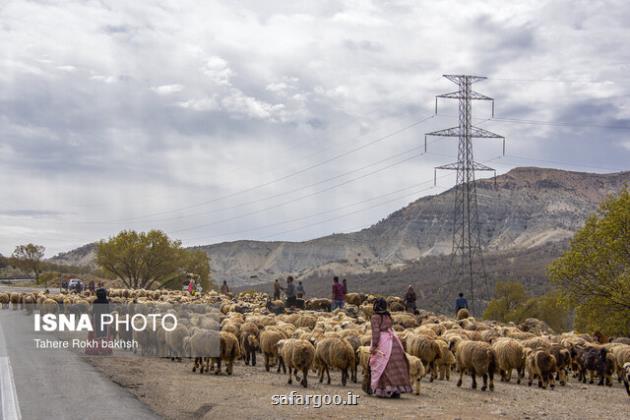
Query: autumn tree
<point>150,260</point>
<point>593,275</point>
<point>28,258</point>
<point>508,296</point>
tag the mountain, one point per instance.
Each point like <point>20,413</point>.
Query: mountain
<point>524,209</point>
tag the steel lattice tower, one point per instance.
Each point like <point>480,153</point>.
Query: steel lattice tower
<point>467,264</point>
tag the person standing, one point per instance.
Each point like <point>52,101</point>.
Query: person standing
<point>224,288</point>
<point>345,287</point>
<point>389,368</point>
<point>300,290</point>
<point>290,292</point>
<point>410,299</point>
<point>338,295</point>
<point>461,303</point>
<point>276,290</point>
<point>191,286</point>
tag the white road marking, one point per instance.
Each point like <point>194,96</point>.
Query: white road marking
<point>8,395</point>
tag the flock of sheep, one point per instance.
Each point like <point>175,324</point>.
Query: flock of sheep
<point>213,328</point>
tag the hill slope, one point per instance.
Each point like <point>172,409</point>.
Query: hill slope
<point>528,208</point>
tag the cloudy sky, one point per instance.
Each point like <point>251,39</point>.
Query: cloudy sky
<point>223,120</point>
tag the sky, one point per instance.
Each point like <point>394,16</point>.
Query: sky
<point>273,120</point>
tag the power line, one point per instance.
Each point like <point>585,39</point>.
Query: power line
<point>273,181</point>
<point>303,196</point>
<point>315,214</point>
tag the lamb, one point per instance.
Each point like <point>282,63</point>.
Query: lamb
<point>510,355</point>
<point>336,353</point>
<point>416,371</point>
<point>268,344</point>
<point>542,365</point>
<point>477,358</point>
<point>425,348</point>
<point>297,355</point>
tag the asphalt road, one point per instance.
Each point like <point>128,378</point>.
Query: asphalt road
<point>55,384</point>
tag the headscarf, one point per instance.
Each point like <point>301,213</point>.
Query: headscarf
<point>380,307</point>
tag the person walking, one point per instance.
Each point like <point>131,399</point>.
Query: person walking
<point>224,288</point>
<point>460,303</point>
<point>410,300</point>
<point>290,292</point>
<point>191,286</point>
<point>338,295</point>
<point>300,290</point>
<point>276,290</point>
<point>389,368</point>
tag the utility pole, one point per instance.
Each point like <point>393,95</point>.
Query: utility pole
<point>467,264</point>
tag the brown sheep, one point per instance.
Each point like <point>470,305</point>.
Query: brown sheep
<point>249,342</point>
<point>416,371</point>
<point>542,365</point>
<point>446,361</point>
<point>268,344</point>
<point>297,355</point>
<point>425,348</point>
<point>462,314</point>
<point>477,358</point>
<point>510,355</point>
<point>5,299</point>
<point>563,362</point>
<point>229,352</point>
<point>355,298</point>
<point>336,353</point>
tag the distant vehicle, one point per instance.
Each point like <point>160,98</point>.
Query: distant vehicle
<point>75,284</point>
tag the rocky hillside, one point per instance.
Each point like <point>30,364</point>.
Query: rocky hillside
<point>528,207</point>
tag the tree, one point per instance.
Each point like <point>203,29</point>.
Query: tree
<point>512,304</point>
<point>593,275</point>
<point>508,296</point>
<point>148,260</point>
<point>28,258</point>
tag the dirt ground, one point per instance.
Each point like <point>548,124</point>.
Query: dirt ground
<point>172,390</point>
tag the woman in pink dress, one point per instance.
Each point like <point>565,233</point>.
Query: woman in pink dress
<point>389,368</point>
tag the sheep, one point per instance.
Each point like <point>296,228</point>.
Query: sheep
<point>296,354</point>
<point>510,355</point>
<point>626,376</point>
<point>563,362</point>
<point>477,358</point>
<point>416,371</point>
<point>537,343</point>
<point>174,341</point>
<point>621,354</point>
<point>268,344</point>
<point>462,314</point>
<point>542,365</point>
<point>425,348</point>
<point>336,353</point>
<point>249,342</point>
<point>446,361</point>
<point>229,352</point>
<point>5,299</point>
<point>355,298</point>
<point>201,346</point>
<point>594,360</point>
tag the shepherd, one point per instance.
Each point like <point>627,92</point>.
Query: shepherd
<point>389,368</point>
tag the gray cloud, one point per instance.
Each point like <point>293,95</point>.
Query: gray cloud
<point>109,111</point>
